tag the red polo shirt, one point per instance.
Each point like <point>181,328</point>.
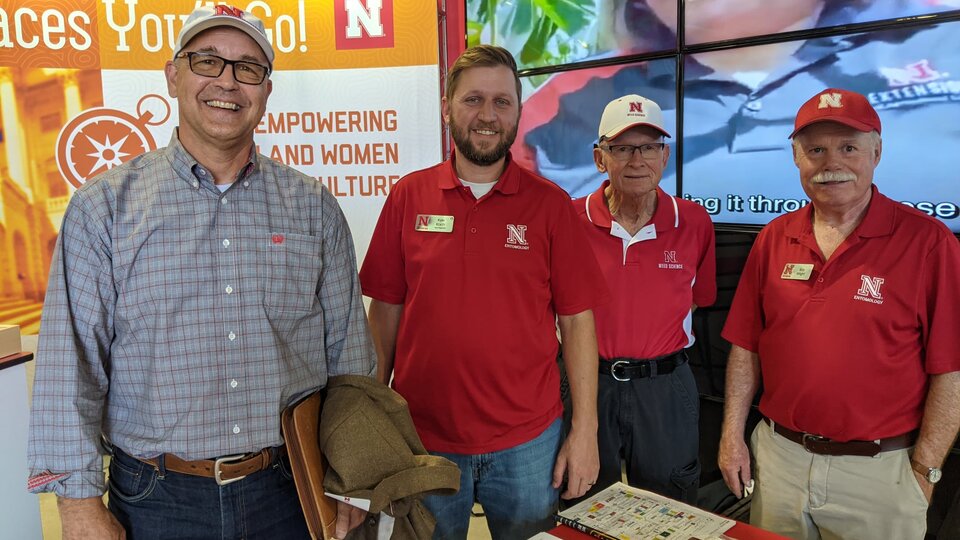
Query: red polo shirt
<point>477,344</point>
<point>846,353</point>
<point>668,266</point>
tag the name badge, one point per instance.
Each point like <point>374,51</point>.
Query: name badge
<point>431,223</point>
<point>797,271</point>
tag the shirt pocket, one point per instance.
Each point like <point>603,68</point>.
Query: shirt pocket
<point>293,265</point>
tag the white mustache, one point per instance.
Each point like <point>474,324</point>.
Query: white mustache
<point>833,176</point>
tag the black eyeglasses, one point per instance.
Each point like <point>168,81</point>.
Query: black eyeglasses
<point>211,65</point>
<point>623,152</point>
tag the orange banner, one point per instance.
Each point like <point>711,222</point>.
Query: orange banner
<point>305,34</point>
<point>49,33</point>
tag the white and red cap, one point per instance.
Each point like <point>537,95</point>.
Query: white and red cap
<point>630,111</point>
<point>838,105</point>
<point>207,17</point>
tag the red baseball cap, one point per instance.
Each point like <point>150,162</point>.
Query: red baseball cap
<point>836,105</point>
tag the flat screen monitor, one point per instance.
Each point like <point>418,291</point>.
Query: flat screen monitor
<point>543,34</point>
<point>739,108</point>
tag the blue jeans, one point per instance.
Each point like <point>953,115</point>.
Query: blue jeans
<point>162,504</point>
<point>514,486</point>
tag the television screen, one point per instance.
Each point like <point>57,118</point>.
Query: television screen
<point>561,117</point>
<point>739,106</point>
<point>718,20</point>
<point>542,33</point>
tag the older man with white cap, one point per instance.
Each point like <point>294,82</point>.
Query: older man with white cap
<point>847,310</point>
<point>195,292</point>
<point>657,255</point>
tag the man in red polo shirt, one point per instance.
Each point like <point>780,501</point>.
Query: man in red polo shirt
<point>848,309</point>
<point>657,252</point>
<point>471,265</point>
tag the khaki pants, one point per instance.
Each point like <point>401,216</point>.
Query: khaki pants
<point>807,496</point>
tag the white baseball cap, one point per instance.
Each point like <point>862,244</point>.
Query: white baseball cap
<point>630,111</point>
<point>207,17</point>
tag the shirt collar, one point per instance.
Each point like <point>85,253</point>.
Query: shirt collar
<point>878,221</point>
<point>186,167</point>
<point>507,184</point>
<point>665,217</point>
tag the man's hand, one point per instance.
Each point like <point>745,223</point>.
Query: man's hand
<point>88,519</point>
<point>348,518</point>
<point>579,459</point>
<point>733,458</point>
<point>925,486</point>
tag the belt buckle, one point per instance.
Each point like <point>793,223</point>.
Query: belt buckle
<point>613,371</point>
<point>226,459</point>
<point>811,438</point>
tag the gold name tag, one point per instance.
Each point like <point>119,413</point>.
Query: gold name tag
<point>797,271</point>
<point>431,223</point>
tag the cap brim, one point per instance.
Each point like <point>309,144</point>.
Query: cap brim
<point>616,132</point>
<point>855,124</point>
<point>233,22</point>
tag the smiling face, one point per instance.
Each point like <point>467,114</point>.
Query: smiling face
<point>836,164</point>
<point>218,112</point>
<point>483,113</point>
<point>637,176</point>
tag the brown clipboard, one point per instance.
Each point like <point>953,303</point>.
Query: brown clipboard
<point>300,424</point>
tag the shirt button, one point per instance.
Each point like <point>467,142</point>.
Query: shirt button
<point>754,105</point>
<point>233,383</point>
<point>226,242</point>
<point>196,184</point>
<point>236,429</point>
<point>819,280</point>
<point>229,289</point>
<point>246,183</point>
<point>201,172</point>
<point>232,336</point>
<point>473,229</point>
<point>223,200</point>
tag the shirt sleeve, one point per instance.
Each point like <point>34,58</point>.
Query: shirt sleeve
<point>705,286</point>
<point>64,450</point>
<point>382,275</point>
<point>940,310</point>
<point>349,348</point>
<point>576,282</point>
<point>745,320</point>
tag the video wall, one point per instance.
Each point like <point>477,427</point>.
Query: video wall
<point>730,84</point>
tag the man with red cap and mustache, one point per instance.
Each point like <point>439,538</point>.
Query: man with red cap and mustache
<point>847,310</point>
<point>471,264</point>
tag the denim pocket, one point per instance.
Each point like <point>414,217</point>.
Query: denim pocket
<point>283,465</point>
<point>131,480</point>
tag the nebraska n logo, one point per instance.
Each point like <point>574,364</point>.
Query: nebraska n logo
<point>517,237</point>
<point>363,24</point>
<point>833,100</point>
<point>636,106</point>
<point>870,289</point>
<point>670,257</point>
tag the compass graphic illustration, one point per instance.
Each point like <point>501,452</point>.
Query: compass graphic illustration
<point>101,138</point>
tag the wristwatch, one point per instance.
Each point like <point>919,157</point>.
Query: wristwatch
<point>932,474</point>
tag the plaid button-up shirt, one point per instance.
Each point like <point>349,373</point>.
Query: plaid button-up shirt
<point>183,319</point>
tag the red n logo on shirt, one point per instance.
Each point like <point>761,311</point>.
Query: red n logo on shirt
<point>517,235</point>
<point>870,286</point>
<point>670,257</point>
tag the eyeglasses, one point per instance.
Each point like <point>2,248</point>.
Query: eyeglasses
<point>211,65</point>
<point>623,152</point>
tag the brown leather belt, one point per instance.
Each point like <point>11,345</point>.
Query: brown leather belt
<point>225,469</point>
<point>823,446</point>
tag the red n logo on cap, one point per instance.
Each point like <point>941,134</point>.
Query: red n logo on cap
<point>830,101</point>
<point>228,10</point>
<point>636,106</point>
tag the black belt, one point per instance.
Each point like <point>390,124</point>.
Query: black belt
<point>624,369</point>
